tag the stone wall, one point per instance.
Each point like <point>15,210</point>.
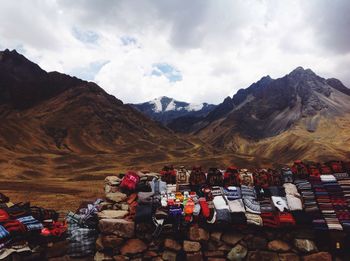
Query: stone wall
<point>121,239</point>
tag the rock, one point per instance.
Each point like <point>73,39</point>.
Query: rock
<point>216,236</point>
<point>106,205</point>
<point>262,256</point>
<point>216,253</point>
<point>99,246</point>
<point>119,227</point>
<point>172,244</point>
<point>111,241</point>
<point>125,207</point>
<point>231,238</point>
<point>111,184</point>
<point>116,196</point>
<point>305,245</point>
<point>112,214</point>
<point>237,253</point>
<point>288,257</point>
<point>191,246</point>
<point>169,255</point>
<point>100,256</point>
<point>255,243</point>
<point>151,254</point>
<point>224,247</point>
<point>198,234</point>
<point>278,246</point>
<point>57,249</point>
<point>120,258</point>
<point>132,247</point>
<point>196,256</point>
<point>320,256</point>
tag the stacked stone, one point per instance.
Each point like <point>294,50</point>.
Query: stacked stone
<point>117,229</point>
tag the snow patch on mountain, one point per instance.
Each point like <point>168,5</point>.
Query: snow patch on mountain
<point>194,107</point>
<point>157,102</point>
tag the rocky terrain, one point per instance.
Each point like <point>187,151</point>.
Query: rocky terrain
<point>295,116</point>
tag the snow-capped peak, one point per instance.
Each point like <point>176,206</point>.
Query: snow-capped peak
<point>194,107</point>
<point>158,107</point>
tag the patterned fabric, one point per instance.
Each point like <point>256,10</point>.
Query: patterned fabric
<point>31,223</point>
<point>3,233</point>
<point>82,242</point>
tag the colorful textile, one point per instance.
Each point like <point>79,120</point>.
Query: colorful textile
<point>31,223</point>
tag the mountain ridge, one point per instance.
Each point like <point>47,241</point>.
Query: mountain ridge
<point>165,109</point>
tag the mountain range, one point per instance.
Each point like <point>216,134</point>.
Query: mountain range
<point>57,125</point>
<point>165,109</point>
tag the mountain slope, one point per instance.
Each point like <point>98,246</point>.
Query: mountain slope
<point>272,116</point>
<point>165,109</point>
<point>44,112</point>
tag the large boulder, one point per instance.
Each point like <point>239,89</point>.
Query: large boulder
<point>111,241</point>
<point>262,256</point>
<point>112,214</point>
<point>232,238</point>
<point>237,253</point>
<point>119,227</point>
<point>169,255</point>
<point>116,196</point>
<point>191,246</point>
<point>278,246</point>
<point>172,244</point>
<point>194,256</point>
<point>288,257</point>
<point>256,242</point>
<point>196,233</point>
<point>305,245</point>
<point>320,256</point>
<point>111,184</point>
<point>132,247</point>
<point>100,256</point>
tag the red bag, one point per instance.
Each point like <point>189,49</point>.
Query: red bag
<point>4,216</point>
<point>231,176</point>
<point>314,170</point>
<point>336,166</point>
<point>325,169</point>
<point>197,176</point>
<point>168,175</point>
<point>130,181</point>
<point>299,169</point>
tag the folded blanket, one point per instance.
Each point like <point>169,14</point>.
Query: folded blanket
<point>254,219</point>
<point>290,189</point>
<point>236,206</point>
<point>251,205</point>
<point>280,203</point>
<point>294,203</point>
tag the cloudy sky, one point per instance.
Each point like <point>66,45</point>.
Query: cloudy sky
<point>198,50</point>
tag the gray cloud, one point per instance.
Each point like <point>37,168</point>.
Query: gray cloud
<point>218,46</point>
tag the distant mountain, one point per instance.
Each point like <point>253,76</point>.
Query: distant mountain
<point>298,115</point>
<point>165,109</point>
<point>51,112</point>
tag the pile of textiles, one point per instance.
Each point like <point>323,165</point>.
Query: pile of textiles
<point>82,230</point>
<point>341,218</point>
<point>293,196</point>
<point>23,227</point>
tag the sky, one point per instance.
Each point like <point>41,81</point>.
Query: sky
<point>194,51</point>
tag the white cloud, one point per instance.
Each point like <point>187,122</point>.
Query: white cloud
<point>217,47</point>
